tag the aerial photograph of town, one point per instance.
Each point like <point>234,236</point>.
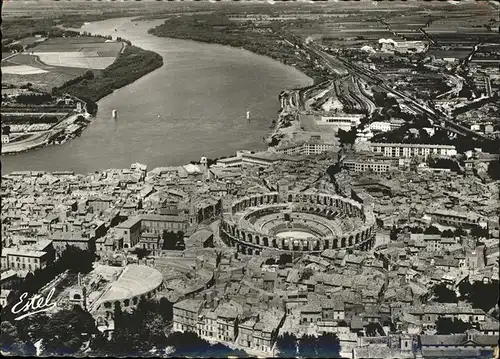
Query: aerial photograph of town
<point>250,179</point>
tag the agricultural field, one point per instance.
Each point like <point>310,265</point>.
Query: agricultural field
<point>345,33</point>
<point>6,54</point>
<point>457,53</point>
<point>58,60</point>
<point>28,41</point>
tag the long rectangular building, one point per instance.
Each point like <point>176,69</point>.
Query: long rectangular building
<point>307,148</point>
<point>340,122</point>
<point>406,150</point>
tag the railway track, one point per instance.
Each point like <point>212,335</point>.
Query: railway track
<point>333,63</point>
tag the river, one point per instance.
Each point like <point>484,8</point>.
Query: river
<point>194,105</point>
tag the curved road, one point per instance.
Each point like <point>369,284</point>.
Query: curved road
<point>37,140</point>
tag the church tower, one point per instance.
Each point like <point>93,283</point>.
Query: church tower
<point>203,165</point>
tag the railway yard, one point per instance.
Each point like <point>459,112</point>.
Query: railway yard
<point>443,66</point>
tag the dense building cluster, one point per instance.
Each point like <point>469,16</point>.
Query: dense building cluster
<point>301,245</point>
<point>372,220</point>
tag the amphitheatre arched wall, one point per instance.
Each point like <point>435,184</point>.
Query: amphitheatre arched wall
<point>248,240</point>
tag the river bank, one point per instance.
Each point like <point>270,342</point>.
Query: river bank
<point>70,127</point>
<point>269,40</point>
<point>193,106</point>
<point>131,64</point>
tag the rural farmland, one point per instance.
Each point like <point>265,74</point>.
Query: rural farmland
<point>58,60</point>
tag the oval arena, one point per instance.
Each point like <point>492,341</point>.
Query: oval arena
<point>297,222</point>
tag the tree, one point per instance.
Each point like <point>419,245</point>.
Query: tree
<point>448,233</point>
<point>154,330</point>
<point>347,137</point>
<point>284,259</point>
<point>33,99</point>
<point>141,252</point>
<point>173,241</point>
<point>307,346</point>
<point>482,295</point>
<point>478,232</point>
<point>394,234</point>
<point>188,344</point>
<point>444,295</point>
<point>494,170</point>
<point>328,346</point>
<point>166,309</point>
<point>270,261</point>
<point>221,351</point>
<point>76,260</point>
<point>67,330</point>
<point>12,342</point>
<point>465,289</point>
<point>31,328</point>
<point>415,230</point>
<point>373,329</point>
<point>287,345</point>
<point>126,339</point>
<point>431,230</point>
<point>325,346</point>
<point>390,324</point>
<point>179,244</point>
<point>460,232</point>
<point>306,274</point>
<point>444,163</point>
<point>449,326</point>
<point>138,332</point>
<point>100,346</point>
<point>380,98</point>
<point>8,336</point>
<point>117,315</point>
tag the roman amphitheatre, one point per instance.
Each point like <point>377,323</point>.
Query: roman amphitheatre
<point>297,222</point>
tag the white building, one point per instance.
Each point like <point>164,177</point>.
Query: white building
<point>380,126</point>
<point>412,150</point>
<point>344,122</point>
<point>359,165</point>
<point>311,147</point>
<point>389,45</point>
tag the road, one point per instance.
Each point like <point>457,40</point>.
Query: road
<point>11,56</point>
<point>38,139</point>
<point>24,145</point>
<point>35,113</point>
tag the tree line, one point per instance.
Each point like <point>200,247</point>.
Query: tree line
<point>130,65</point>
<point>480,295</point>
<point>326,345</point>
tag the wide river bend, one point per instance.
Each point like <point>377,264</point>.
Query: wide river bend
<point>194,105</point>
